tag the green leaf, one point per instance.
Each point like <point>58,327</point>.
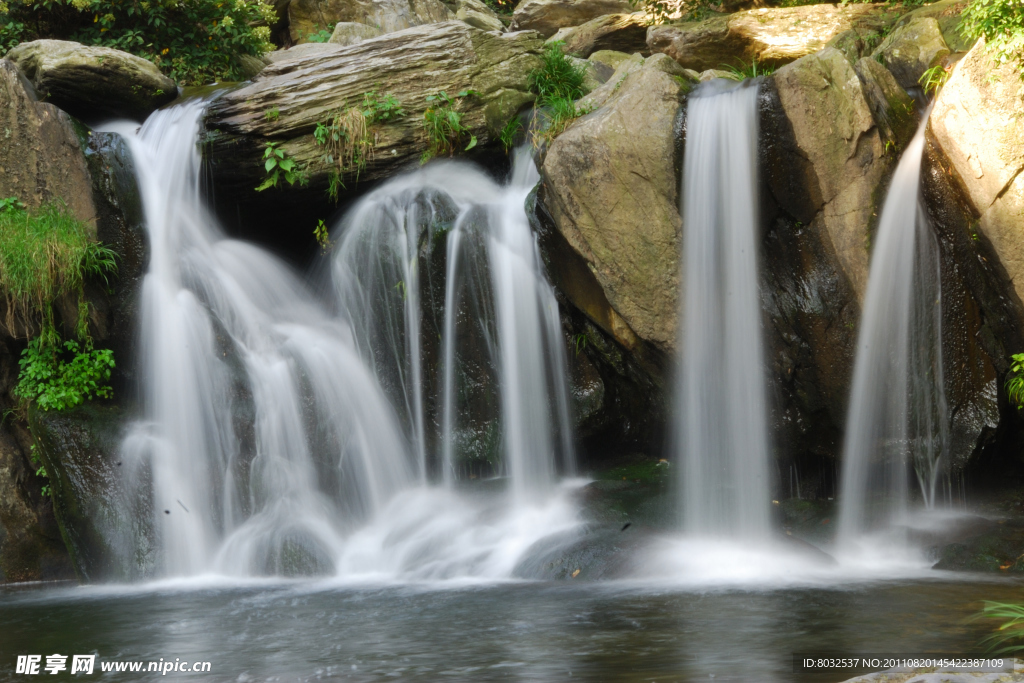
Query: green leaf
<point>472,143</point>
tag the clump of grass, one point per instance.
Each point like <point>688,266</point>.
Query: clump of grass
<point>348,140</point>
<point>558,83</point>
<point>45,254</point>
<point>1009,636</point>
<point>442,123</point>
<point>742,71</point>
<point>557,77</point>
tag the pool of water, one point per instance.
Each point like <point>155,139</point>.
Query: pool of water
<point>525,631</point>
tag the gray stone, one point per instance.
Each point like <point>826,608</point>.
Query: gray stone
<point>547,16</point>
<point>92,82</point>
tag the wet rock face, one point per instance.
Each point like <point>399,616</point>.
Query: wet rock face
<point>93,82</point>
<point>768,36</point>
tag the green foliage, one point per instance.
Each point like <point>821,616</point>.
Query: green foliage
<point>645,472</point>
<point>347,137</point>
<point>933,79</point>
<point>323,238</point>
<point>580,342</point>
<point>557,77</point>
<point>58,380</point>
<point>279,167</point>
<point>272,114</point>
<point>33,455</point>
<point>1001,24</point>
<point>193,41</point>
<point>561,111</point>
<point>1009,636</point>
<point>44,255</point>
<point>743,71</point>
<point>382,107</point>
<point>1015,380</point>
<point>321,36</point>
<point>505,7</point>
<point>442,123</point>
<point>509,131</point>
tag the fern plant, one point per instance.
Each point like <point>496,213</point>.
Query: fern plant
<point>1015,380</point>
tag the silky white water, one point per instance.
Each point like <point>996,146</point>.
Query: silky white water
<point>897,422</point>
<point>269,445</point>
<point>721,423</point>
<point>497,335</point>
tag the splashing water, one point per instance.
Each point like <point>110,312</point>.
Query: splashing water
<point>721,420</point>
<point>898,417</point>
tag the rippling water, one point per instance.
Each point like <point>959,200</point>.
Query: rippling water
<point>524,631</point>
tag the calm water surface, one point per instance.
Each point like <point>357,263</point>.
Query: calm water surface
<point>308,631</point>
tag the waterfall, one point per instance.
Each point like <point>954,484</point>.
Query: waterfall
<point>266,437</point>
<point>898,419</point>
<point>279,429</point>
<point>722,435</point>
<point>447,238</point>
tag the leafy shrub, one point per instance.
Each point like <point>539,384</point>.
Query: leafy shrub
<point>1001,24</point>
<point>557,77</point>
<point>279,167</point>
<point>43,256</point>
<point>33,455</point>
<point>61,380</point>
<point>442,122</point>
<point>321,36</point>
<point>1015,380</point>
<point>193,41</point>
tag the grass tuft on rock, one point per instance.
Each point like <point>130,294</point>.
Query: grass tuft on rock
<point>45,254</point>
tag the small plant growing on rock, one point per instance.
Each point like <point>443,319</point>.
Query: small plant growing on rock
<point>347,136</point>
<point>742,72</point>
<point>62,379</point>
<point>1015,381</point>
<point>557,77</point>
<point>272,114</point>
<point>934,78</point>
<point>279,167</point>
<point>442,123</point>
<point>509,131</point>
<point>322,35</point>
<point>322,236</point>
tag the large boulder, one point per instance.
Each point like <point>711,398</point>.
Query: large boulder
<point>767,36</point>
<point>610,186</point>
<point>306,17</point>
<point>476,13</point>
<point>912,49</point>
<point>40,159</point>
<point>411,65</point>
<point>619,32</point>
<point>547,16</point>
<point>841,157</point>
<point>93,82</point>
<point>350,33</point>
<point>976,122</point>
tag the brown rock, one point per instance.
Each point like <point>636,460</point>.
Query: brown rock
<point>768,36</point>
<point>619,32</point>
<point>547,16</point>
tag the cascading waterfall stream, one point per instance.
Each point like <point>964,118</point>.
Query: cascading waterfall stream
<point>898,417</point>
<point>722,417</point>
<point>269,444</point>
<point>266,436</point>
<point>499,328</point>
